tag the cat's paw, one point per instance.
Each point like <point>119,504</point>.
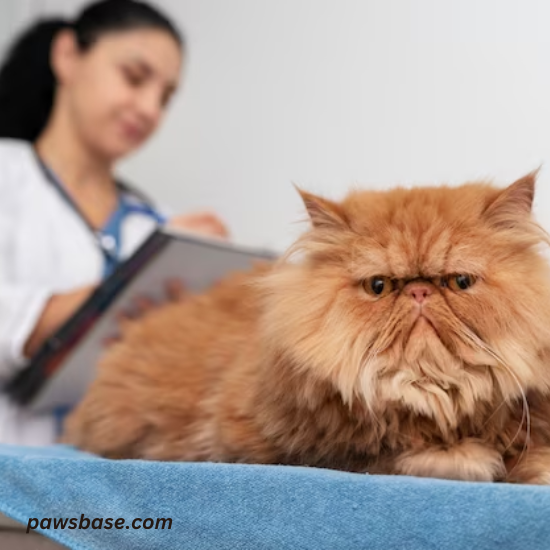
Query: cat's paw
<point>533,468</point>
<point>469,460</point>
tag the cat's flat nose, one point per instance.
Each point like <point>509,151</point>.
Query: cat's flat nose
<point>419,291</point>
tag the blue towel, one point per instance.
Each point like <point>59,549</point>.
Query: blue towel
<point>240,507</point>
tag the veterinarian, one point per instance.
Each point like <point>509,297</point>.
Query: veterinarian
<point>75,97</point>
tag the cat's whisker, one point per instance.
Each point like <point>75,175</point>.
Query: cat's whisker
<point>390,332</point>
<point>491,416</point>
<point>526,414</point>
<point>539,231</point>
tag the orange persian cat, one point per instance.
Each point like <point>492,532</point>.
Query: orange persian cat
<point>410,334</point>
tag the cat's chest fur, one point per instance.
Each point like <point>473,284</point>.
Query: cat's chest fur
<point>293,418</point>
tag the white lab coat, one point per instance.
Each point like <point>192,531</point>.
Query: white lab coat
<point>45,248</point>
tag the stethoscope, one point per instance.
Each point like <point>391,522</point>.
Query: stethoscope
<point>105,243</point>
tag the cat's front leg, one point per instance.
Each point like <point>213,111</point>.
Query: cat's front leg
<point>532,468</point>
<point>467,460</point>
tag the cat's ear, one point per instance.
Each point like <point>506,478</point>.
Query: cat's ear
<point>323,212</point>
<point>514,201</point>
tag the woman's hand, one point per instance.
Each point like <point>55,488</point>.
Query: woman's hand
<point>202,223</point>
<point>173,292</point>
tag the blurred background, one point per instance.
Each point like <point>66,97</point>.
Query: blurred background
<point>339,94</point>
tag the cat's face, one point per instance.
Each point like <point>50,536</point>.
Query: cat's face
<point>433,298</point>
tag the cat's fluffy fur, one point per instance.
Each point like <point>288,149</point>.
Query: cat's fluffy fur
<point>301,363</point>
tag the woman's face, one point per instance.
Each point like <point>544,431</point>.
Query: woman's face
<point>117,91</point>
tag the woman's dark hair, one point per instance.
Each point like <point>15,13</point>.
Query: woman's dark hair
<point>27,82</point>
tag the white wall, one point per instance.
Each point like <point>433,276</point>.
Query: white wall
<point>332,93</point>
<point>6,17</point>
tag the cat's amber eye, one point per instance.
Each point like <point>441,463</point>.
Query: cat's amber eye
<point>460,282</point>
<point>378,286</point>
